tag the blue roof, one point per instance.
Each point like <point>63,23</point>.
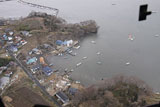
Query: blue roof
<point>72,90</point>
<point>47,70</point>
<point>32,60</point>
<point>5,37</point>
<point>59,42</point>
<point>13,48</point>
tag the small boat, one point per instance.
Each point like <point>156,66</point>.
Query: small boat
<point>70,51</point>
<point>156,35</point>
<point>75,54</point>
<point>84,57</point>
<point>66,69</point>
<point>98,53</point>
<point>157,93</point>
<point>79,64</point>
<point>72,70</point>
<point>78,82</point>
<point>128,63</point>
<point>99,63</point>
<point>93,42</point>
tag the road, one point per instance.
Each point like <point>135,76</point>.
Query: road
<point>33,78</point>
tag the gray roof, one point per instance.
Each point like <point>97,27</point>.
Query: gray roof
<point>4,82</point>
<point>35,67</point>
<point>62,96</point>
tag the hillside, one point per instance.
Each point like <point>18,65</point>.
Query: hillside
<point>120,91</point>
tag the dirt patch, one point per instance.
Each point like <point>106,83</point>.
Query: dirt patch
<point>38,38</point>
<point>24,97</point>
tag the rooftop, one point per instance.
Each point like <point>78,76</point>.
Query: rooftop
<point>62,96</point>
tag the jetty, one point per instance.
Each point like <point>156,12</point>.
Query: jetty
<point>56,11</point>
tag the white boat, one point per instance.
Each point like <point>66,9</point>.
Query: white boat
<point>79,64</point>
<point>75,54</point>
<point>157,93</point>
<point>66,69</point>
<point>98,53</point>
<point>72,70</point>
<point>93,42</point>
<point>128,63</point>
<point>84,57</point>
<point>70,51</point>
<point>78,82</point>
<point>99,63</point>
<point>156,35</point>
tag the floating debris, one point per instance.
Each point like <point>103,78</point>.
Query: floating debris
<point>99,62</point>
<point>156,35</point>
<point>84,57</point>
<point>128,63</point>
<point>79,64</point>
<point>98,53</point>
<point>93,42</point>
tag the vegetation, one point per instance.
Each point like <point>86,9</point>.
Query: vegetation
<point>5,61</point>
<point>29,24</point>
<point>119,91</point>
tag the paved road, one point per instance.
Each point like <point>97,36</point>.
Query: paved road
<point>34,79</point>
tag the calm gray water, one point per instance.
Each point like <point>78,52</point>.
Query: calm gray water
<point>116,22</point>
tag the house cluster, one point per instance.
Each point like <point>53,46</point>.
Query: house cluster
<point>39,65</point>
<point>36,62</point>
<point>65,47</point>
<point>12,40</point>
<point>62,88</point>
<point>6,72</point>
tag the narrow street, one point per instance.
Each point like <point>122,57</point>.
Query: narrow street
<point>33,79</point>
